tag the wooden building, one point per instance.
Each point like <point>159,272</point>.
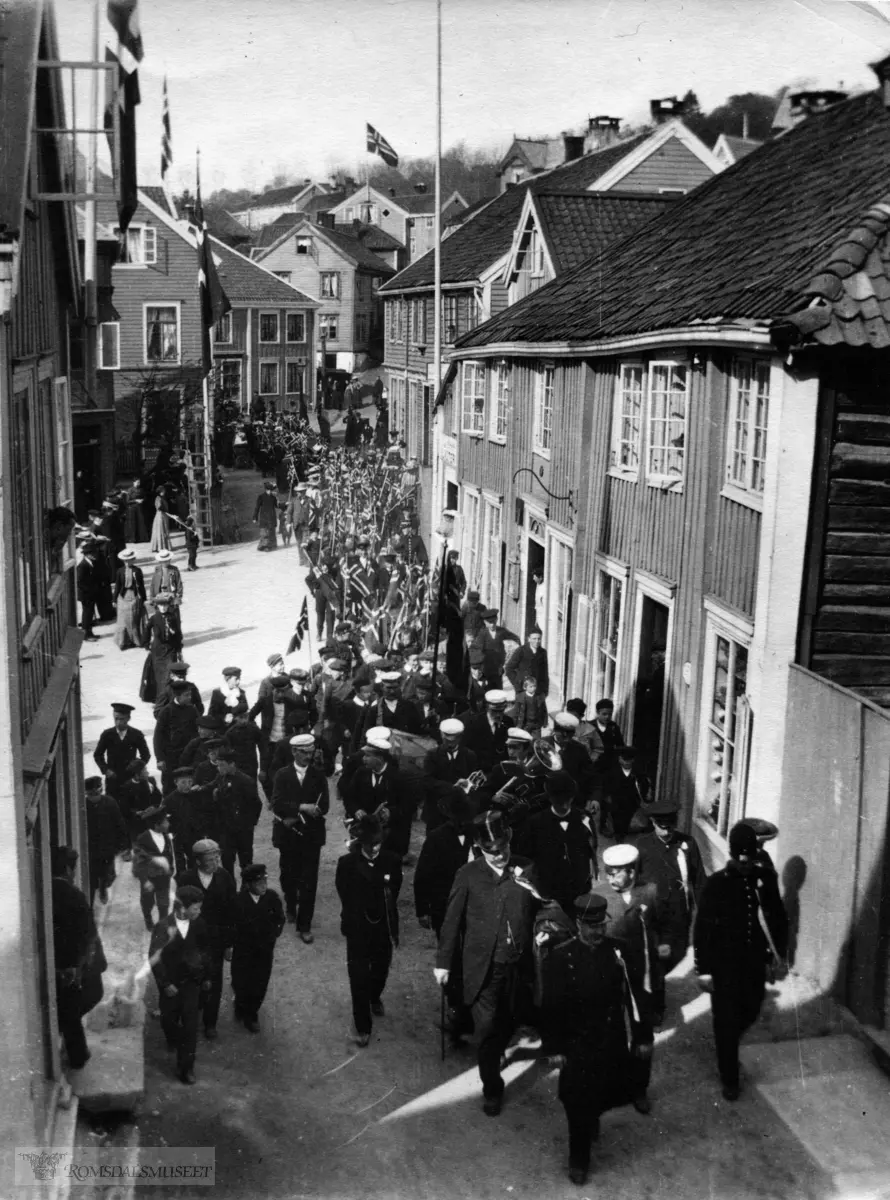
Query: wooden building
<point>41,773</point>
<point>696,422</point>
<point>409,216</point>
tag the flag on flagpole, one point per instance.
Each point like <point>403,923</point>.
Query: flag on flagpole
<point>166,139</point>
<point>122,88</point>
<point>124,18</point>
<point>214,301</point>
<point>301,630</point>
<point>377,144</point>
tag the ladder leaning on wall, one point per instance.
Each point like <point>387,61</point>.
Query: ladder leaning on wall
<point>199,494</point>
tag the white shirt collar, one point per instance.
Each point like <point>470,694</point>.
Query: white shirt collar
<point>182,926</point>
<point>205,879</point>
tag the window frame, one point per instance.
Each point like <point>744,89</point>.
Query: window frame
<point>617,573</point>
<point>288,340</point>
<point>300,366</point>
<point>477,426</point>
<point>269,362</point>
<point>450,307</point>
<point>744,492</point>
<point>100,357</point>
<point>156,362</point>
<point>334,277</point>
<point>303,244</point>
<point>540,409</point>
<point>64,450</point>
<point>261,341</point>
<point>325,319</point>
<point>619,417</point>
<point>225,323</point>
<point>663,479</point>
<point>500,401</point>
<point>218,368</point>
<point>148,241</point>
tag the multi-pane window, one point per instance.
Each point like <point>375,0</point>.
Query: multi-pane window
<point>222,333</point>
<point>269,327</point>
<point>500,395</point>
<point>25,523</point>
<point>727,733</point>
<point>296,327</point>
<point>628,419</point>
<point>162,333</point>
<point>473,397</point>
<point>747,426</point>
<point>140,245</point>
<point>110,346</point>
<point>419,320</point>
<point>330,285</point>
<point>327,326</point>
<point>227,379</point>
<point>449,318</point>
<point>543,435</point>
<point>269,378</point>
<point>666,430</point>
<point>294,378</point>
<point>608,632</point>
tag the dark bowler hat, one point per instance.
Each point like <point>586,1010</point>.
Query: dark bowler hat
<point>560,783</point>
<point>590,908</point>
<point>490,827</point>
<point>182,772</point>
<point>122,710</point>
<point>178,685</point>
<point>207,722</point>
<point>213,744</point>
<point>626,752</point>
<point>179,668</point>
<point>253,872</point>
<point>765,830</point>
<point>225,753</point>
<point>151,815</point>
<point>188,895</point>
<point>298,673</point>
<point>742,841</point>
<point>367,830</point>
<point>663,808</point>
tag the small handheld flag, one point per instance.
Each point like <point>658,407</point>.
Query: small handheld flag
<point>377,144</point>
<point>301,630</point>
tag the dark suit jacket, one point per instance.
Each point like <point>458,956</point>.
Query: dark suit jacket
<point>523,662</point>
<point>237,796</point>
<point>441,857</point>
<point>219,709</point>
<point>440,776</point>
<point>474,906</point>
<point>660,864</point>
<point>728,937</point>
<point>176,725</point>
<point>258,923</point>
<point>218,913</point>
<point>120,580</point>
<point>114,753</point>
<point>359,793</point>
<point>294,712</point>
<point>368,893</point>
<point>638,928</point>
<point>288,794</point>
<point>564,860</point>
<point>406,717</point>
<point>179,960</point>
<point>89,579</point>
<point>489,747</point>
<point>106,830</point>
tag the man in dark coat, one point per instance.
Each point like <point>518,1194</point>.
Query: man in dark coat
<point>300,803</point>
<point>530,659</point>
<point>176,725</point>
<point>106,836</point>
<point>561,843</point>
<point>492,643</point>
<point>604,739</point>
<point>89,586</point>
<point>74,933</point>
<point>236,794</point>
<point>391,710</point>
<point>741,927</point>
<point>179,670</point>
<point>179,954</point>
<point>325,584</point>
<point>624,790</point>
<point>218,889</point>
<point>278,712</point>
<point>486,733</point>
<point>117,749</point>
<point>448,765</point>
<point>368,881</point>
<point>154,864</point>
<point>494,914</point>
<point>586,1010</point>
<point>367,583</point>
<point>575,760</point>
<point>673,862</point>
<point>244,740</point>
<point>377,787</point>
<point>194,814</point>
<point>230,700</point>
<point>259,920</point>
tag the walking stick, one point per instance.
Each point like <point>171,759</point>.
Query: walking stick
<point>442,1025</point>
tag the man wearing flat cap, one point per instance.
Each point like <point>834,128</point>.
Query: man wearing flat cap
<point>277,712</point>
<point>179,670</point>
<point>741,930</point>
<point>766,831</point>
<point>561,842</point>
<point>153,865</point>
<point>448,766</point>
<point>486,733</point>
<point>179,954</point>
<point>530,659</point>
<point>673,862</point>
<point>176,725</point>
<point>330,700</point>
<point>275,663</point>
<point>300,803</point>
<point>586,1009</point>
<point>210,729</point>
<point>217,888</point>
<point>259,920</point>
<point>118,747</point>
<point>229,700</point>
<point>237,796</point>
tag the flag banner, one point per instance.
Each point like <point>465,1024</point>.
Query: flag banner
<point>214,301</point>
<point>126,95</point>
<point>377,144</point>
<point>124,18</point>
<point>166,139</point>
<point>301,630</point>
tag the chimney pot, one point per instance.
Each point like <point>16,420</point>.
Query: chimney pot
<point>804,104</point>
<point>665,108</point>
<point>882,70</point>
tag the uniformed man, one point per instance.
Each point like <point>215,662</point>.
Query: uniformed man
<point>586,1010</point>
<point>741,927</point>
<point>118,747</point>
<point>673,862</point>
<point>486,733</point>
<point>259,920</point>
<point>176,725</point>
<point>217,888</point>
<point>561,843</point>
<point>575,759</point>
<point>391,710</point>
<point>766,832</point>
<point>300,803</point>
<point>448,766</point>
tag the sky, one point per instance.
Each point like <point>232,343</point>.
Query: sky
<point>268,87</point>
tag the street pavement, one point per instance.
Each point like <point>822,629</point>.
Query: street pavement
<point>299,1111</point>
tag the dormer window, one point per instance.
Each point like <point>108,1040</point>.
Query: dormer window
<point>140,247</point>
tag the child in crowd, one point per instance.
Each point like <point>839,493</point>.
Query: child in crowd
<point>530,709</point>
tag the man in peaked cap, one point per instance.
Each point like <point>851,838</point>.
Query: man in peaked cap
<point>275,663</point>
<point>575,758</point>
<point>179,670</point>
<point>530,659</point>
<point>766,831</point>
<point>176,726</point>
<point>741,927</point>
<point>561,842</point>
<point>494,914</point>
<point>624,790</point>
<point>486,733</point>
<point>229,700</point>
<point>447,766</point>
<point>673,862</point>
<point>585,1007</point>
<point>259,920</point>
<point>179,954</point>
<point>217,888</point>
<point>300,803</point>
<point>118,747</point>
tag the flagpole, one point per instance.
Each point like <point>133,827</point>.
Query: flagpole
<point>437,277</point>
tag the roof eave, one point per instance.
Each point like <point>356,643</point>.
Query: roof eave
<point>745,334</point>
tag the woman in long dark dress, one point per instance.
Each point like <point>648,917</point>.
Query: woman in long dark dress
<point>160,530</point>
<point>164,648</point>
<point>129,595</point>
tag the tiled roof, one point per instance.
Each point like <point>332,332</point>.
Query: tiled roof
<point>159,197</point>
<point>226,227</point>
<point>324,203</point>
<point>459,215</point>
<point>372,236</point>
<point>480,241</point>
<point>539,153</point>
<point>282,195</point>
<point>246,282</point>
<point>746,246</point>
<point>341,236</point>
<point>269,234</point>
<point>577,225</point>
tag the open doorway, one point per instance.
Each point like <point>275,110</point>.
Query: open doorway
<point>650,684</point>
<point>534,587</point>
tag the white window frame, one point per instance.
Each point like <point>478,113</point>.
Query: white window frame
<point>325,320</point>
<point>223,326</point>
<point>471,510</point>
<point>492,526</point>
<point>302,245</point>
<point>100,357</point>
<point>332,277</point>
<point>276,341</point>
<point>743,489</point>
<point>721,622</point>
<point>624,443</point>
<point>148,240</point>
<point>664,479</point>
<point>611,569</point>
<point>218,368</point>
<point>295,362</point>
<point>472,415</point>
<point>501,381</point>
<point>542,426</point>
<point>266,362</point>
<point>162,362</point>
<point>650,586</point>
<point>288,339</point>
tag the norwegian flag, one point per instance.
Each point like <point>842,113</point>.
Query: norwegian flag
<point>301,630</point>
<point>166,137</point>
<point>123,16</point>
<point>214,301</point>
<point>377,144</point>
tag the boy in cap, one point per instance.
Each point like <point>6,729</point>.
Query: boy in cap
<point>368,881</point>
<point>138,796</point>
<point>106,837</point>
<point>230,700</point>
<point>240,804</point>
<point>117,747</point>
<point>586,1009</point>
<point>561,842</point>
<point>300,803</point>
<point>530,659</point>
<point>259,920</point>
<point>192,543</point>
<point>179,954</point>
<point>489,922</point>
<point>740,928</point>
<point>275,663</point>
<point>217,889</point>
<point>153,865</point>
<point>529,709</point>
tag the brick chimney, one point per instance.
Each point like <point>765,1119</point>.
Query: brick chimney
<point>572,146</point>
<point>665,109</point>
<point>805,104</point>
<point>602,131</point>
<point>882,70</point>
<point>420,188</point>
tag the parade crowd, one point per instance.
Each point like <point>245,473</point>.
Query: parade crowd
<point>561,894</point>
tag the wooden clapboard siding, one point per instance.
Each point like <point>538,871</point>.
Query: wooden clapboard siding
<point>670,166</point>
<point>35,313</point>
<point>732,574</point>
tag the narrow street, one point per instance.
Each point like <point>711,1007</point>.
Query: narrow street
<point>299,1111</point>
